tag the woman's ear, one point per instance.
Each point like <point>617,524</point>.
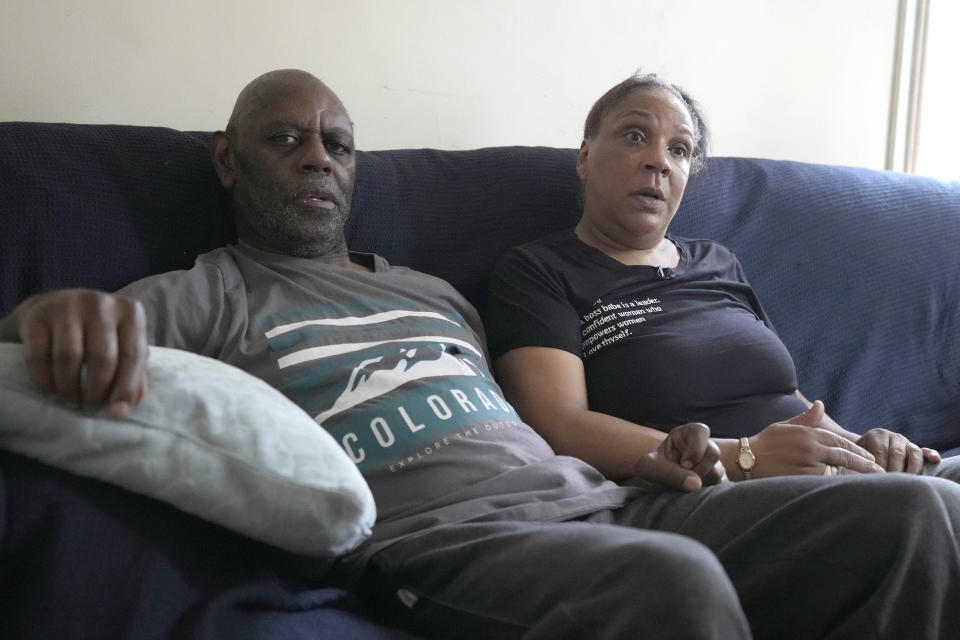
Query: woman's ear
<point>223,158</point>
<point>582,160</point>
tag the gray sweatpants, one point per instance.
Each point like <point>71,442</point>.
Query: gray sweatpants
<point>794,557</point>
<point>949,468</point>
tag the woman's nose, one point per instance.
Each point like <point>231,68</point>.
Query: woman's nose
<point>657,160</point>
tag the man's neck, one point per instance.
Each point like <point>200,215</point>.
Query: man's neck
<point>338,258</point>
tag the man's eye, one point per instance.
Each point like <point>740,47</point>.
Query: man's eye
<point>337,147</point>
<point>285,138</point>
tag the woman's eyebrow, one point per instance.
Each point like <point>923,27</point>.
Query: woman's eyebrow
<point>646,115</point>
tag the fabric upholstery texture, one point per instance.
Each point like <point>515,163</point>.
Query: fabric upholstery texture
<point>209,439</point>
<point>97,205</point>
<point>86,560</point>
<point>859,269</point>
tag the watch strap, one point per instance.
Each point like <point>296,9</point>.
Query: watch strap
<point>745,448</point>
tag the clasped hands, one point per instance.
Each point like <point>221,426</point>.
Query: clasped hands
<point>804,445</point>
<point>689,459</point>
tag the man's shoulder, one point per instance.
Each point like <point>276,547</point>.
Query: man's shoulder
<point>212,265</point>
<point>383,266</point>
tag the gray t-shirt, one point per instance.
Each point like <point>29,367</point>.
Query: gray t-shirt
<point>393,364</point>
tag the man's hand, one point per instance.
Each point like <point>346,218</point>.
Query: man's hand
<point>686,460</point>
<point>85,347</point>
<point>798,446</point>
<point>894,452</point>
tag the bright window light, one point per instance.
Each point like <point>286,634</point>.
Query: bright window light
<point>938,143</point>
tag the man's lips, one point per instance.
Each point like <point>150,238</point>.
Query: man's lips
<point>321,199</point>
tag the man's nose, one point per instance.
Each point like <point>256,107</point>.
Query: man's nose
<point>314,155</point>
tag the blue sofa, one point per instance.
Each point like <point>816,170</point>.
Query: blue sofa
<point>859,270</point>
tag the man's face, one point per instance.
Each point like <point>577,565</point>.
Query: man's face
<point>293,168</point>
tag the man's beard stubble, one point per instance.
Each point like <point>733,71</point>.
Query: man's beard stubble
<point>278,219</point>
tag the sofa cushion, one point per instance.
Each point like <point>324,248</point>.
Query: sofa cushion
<point>102,205</point>
<point>860,271</point>
<point>208,439</point>
<point>452,213</point>
<point>120,565</point>
<point>858,268</point>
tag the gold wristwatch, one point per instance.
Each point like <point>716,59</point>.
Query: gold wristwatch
<point>745,459</point>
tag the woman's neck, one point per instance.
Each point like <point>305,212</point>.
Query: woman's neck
<point>655,251</point>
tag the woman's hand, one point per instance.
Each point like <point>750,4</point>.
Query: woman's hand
<point>798,446</point>
<point>686,460</point>
<point>894,452</point>
<point>891,450</point>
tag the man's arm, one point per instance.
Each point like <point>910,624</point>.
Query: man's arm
<point>83,346</point>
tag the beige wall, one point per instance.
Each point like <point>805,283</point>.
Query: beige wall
<point>796,79</point>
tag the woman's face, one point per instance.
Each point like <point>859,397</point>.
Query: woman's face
<point>635,168</point>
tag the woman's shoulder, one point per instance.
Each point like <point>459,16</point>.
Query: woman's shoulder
<point>559,241</point>
<point>702,255</point>
<point>702,247</point>
<point>545,251</point>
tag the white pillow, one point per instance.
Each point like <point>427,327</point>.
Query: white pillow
<point>208,439</point>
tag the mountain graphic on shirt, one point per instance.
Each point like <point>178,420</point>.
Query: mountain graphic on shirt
<point>376,376</point>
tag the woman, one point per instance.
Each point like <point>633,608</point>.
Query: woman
<point>608,335</point>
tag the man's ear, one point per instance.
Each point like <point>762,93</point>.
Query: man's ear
<point>582,160</point>
<point>223,158</point>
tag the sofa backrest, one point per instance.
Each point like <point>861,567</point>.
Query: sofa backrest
<point>860,272</point>
<point>859,269</point>
<point>100,205</point>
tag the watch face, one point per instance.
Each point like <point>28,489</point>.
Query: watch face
<point>745,460</point>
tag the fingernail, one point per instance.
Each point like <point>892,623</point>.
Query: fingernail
<point>691,483</point>
<point>119,409</point>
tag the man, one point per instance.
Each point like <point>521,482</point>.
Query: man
<point>482,530</point>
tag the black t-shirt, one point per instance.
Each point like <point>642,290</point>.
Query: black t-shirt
<point>660,347</point>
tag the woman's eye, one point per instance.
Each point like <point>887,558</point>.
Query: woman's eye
<point>635,136</point>
<point>681,152</point>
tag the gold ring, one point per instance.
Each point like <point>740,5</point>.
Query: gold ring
<point>830,470</point>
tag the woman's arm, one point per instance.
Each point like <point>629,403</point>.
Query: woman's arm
<point>548,389</point>
<point>798,445</point>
